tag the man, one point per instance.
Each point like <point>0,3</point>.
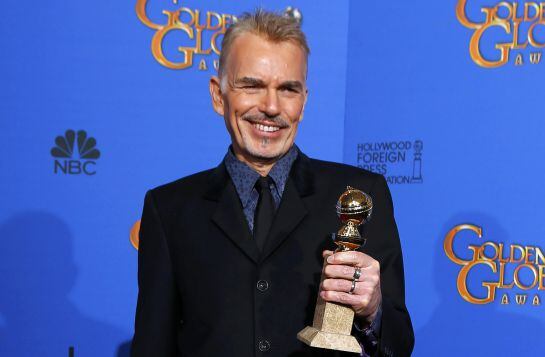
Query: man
<point>230,258</point>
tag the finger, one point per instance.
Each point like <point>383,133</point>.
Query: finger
<point>327,253</point>
<point>353,258</point>
<point>344,286</point>
<point>345,298</point>
<point>340,285</point>
<point>341,271</point>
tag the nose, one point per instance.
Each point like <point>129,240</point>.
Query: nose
<point>270,104</point>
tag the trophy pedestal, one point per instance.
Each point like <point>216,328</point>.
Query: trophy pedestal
<point>332,341</point>
<point>331,327</point>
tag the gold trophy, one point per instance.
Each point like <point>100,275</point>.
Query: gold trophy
<point>333,322</point>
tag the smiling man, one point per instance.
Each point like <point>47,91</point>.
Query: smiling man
<point>230,258</point>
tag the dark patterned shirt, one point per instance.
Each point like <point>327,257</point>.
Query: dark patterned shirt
<point>244,179</point>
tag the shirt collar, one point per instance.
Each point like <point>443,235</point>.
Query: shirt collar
<point>244,177</point>
<point>281,169</point>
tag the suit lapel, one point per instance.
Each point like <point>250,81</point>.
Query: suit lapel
<point>228,215</point>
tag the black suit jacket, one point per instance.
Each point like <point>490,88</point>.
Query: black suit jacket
<point>204,289</point>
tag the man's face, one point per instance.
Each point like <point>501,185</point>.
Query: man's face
<point>261,96</point>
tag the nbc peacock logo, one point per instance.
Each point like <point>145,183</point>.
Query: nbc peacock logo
<point>71,162</point>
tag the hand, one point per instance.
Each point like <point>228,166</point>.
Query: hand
<point>339,273</point>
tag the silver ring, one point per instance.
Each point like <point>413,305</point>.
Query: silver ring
<point>357,273</point>
<point>353,287</point>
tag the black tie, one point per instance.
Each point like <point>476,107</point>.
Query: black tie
<point>264,212</point>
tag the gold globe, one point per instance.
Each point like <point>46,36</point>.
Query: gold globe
<point>354,208</point>
<point>354,205</point>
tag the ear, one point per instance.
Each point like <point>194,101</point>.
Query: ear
<point>216,95</point>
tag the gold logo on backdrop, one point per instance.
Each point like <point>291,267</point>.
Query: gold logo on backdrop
<point>134,235</point>
<point>519,24</point>
<point>510,265</point>
<point>195,26</point>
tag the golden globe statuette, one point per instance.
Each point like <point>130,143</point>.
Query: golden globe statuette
<point>333,322</point>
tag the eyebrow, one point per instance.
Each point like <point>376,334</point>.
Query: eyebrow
<point>256,82</point>
<point>249,81</point>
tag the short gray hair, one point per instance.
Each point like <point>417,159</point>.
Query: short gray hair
<point>272,26</point>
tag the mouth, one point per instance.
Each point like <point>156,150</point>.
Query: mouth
<point>265,125</point>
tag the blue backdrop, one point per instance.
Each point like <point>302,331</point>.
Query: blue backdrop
<point>91,119</point>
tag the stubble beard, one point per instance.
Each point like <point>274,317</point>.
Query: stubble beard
<point>257,150</point>
<point>257,147</point>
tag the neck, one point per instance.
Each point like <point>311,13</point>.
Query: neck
<point>261,166</point>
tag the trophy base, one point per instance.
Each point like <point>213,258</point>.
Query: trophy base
<point>333,341</point>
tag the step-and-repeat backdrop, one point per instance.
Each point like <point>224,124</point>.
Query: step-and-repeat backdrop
<point>101,101</point>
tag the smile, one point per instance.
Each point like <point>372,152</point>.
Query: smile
<point>266,128</point>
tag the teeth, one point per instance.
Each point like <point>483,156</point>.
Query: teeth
<point>266,128</point>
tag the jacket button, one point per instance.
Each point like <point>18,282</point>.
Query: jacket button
<point>264,345</point>
<point>262,285</point>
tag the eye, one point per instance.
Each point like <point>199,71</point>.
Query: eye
<point>289,90</point>
<point>250,87</point>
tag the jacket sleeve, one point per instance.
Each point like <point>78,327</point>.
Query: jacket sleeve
<point>157,311</point>
<point>396,337</point>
